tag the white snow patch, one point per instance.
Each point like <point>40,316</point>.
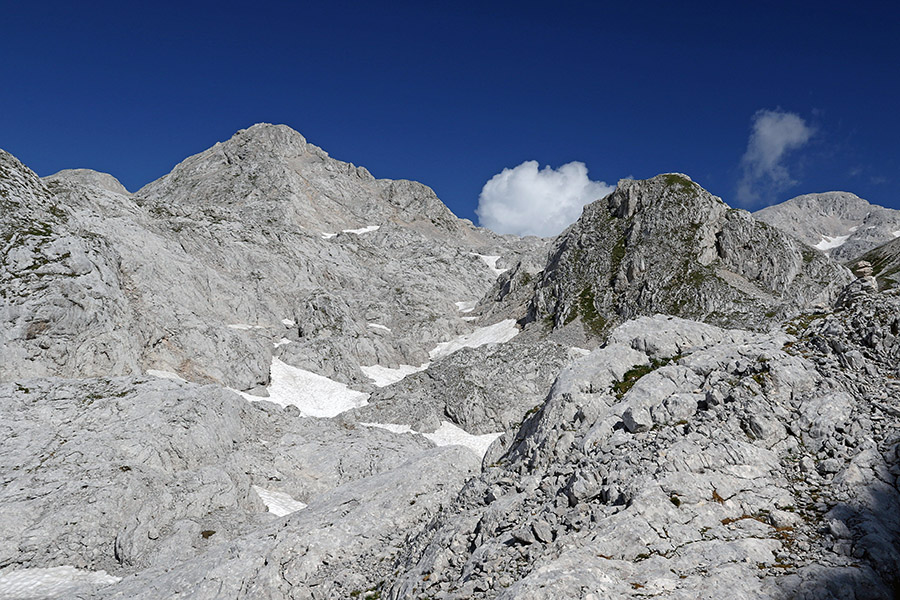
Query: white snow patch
<point>830,243</point>
<point>469,318</point>
<point>491,262</point>
<point>384,376</point>
<point>282,342</point>
<point>854,228</point>
<point>466,306</point>
<point>579,351</point>
<point>492,334</point>
<point>896,234</point>
<point>392,427</point>
<point>244,326</point>
<point>313,394</point>
<point>327,236</point>
<point>449,434</point>
<point>289,322</point>
<point>377,326</point>
<point>50,582</point>
<point>278,503</point>
<point>165,375</point>
<point>363,230</point>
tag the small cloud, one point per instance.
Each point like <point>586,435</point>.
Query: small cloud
<point>527,200</point>
<point>775,133</point>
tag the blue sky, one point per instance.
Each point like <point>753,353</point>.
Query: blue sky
<point>451,94</point>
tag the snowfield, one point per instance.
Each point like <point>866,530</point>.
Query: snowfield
<point>491,262</point>
<point>165,375</point>
<point>53,582</point>
<point>384,376</point>
<point>466,306</point>
<point>492,334</point>
<point>447,434</point>
<point>362,230</point>
<point>830,243</point>
<point>278,503</point>
<point>314,395</point>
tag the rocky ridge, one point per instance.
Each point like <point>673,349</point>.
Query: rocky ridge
<point>839,223</point>
<point>666,245</point>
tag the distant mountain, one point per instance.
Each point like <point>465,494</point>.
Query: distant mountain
<point>838,223</point>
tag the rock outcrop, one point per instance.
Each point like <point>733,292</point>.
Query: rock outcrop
<point>666,245</point>
<point>884,262</point>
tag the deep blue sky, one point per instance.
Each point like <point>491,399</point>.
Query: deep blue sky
<point>451,93</point>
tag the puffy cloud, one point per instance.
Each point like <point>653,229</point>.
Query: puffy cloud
<point>775,133</point>
<point>527,200</point>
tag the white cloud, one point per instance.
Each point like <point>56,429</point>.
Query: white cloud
<point>775,133</point>
<point>531,201</point>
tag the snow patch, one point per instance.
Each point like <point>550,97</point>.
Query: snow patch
<point>469,318</point>
<point>392,427</point>
<point>377,326</point>
<point>313,394</point>
<point>278,503</point>
<point>896,234</point>
<point>466,306</point>
<point>492,334</point>
<point>830,243</point>
<point>244,326</point>
<point>363,230</point>
<point>289,322</point>
<point>326,236</point>
<point>50,582</point>
<point>165,375</point>
<point>449,434</point>
<point>491,262</point>
<point>384,376</point>
<point>281,342</point>
<point>853,229</point>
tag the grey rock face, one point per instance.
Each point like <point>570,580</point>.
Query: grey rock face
<point>341,546</point>
<point>718,502</point>
<point>122,474</point>
<point>838,223</point>
<point>483,390</point>
<point>678,459</point>
<point>63,308</point>
<point>667,245</point>
<point>884,263</point>
<point>197,273</point>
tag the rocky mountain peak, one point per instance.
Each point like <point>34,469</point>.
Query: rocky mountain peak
<point>271,174</point>
<point>88,177</point>
<point>667,245</point>
<point>839,223</point>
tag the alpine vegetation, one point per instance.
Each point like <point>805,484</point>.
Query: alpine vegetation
<point>269,374</point>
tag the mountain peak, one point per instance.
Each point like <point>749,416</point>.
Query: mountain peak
<point>839,223</point>
<point>88,177</point>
